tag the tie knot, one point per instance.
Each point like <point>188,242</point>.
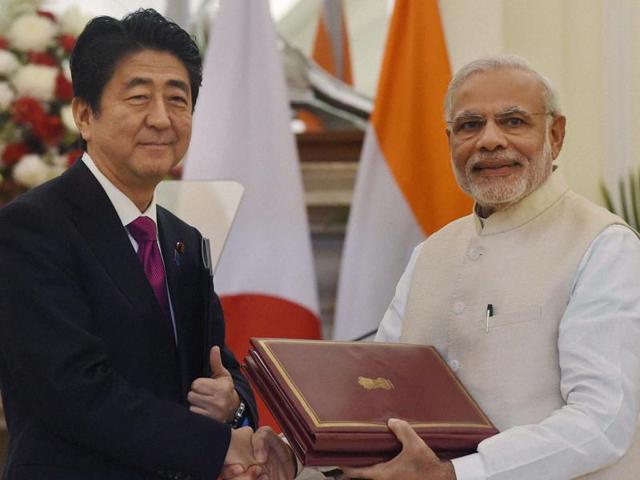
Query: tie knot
<point>143,230</point>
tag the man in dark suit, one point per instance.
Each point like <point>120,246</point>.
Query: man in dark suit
<point>106,331</point>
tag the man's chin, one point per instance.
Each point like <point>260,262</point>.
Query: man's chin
<point>498,194</point>
<point>154,175</point>
<point>155,166</point>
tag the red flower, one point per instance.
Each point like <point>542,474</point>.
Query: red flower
<point>48,15</point>
<point>72,156</point>
<point>48,129</point>
<point>4,43</point>
<point>42,58</point>
<point>13,153</point>
<point>67,42</point>
<point>26,110</point>
<point>64,89</point>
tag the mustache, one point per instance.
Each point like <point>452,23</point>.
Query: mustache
<point>487,159</point>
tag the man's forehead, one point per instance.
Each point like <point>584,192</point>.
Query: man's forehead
<point>502,111</point>
<point>151,66</point>
<point>498,91</point>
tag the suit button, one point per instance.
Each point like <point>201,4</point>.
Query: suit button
<point>474,253</point>
<point>455,365</point>
<point>458,308</point>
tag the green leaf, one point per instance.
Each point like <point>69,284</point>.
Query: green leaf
<point>623,200</point>
<point>635,194</point>
<point>607,197</point>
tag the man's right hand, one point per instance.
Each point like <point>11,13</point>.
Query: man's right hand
<point>275,459</point>
<point>241,452</point>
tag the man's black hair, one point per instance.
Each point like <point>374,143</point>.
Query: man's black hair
<point>105,41</point>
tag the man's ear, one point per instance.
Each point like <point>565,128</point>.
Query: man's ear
<point>556,135</point>
<point>83,116</point>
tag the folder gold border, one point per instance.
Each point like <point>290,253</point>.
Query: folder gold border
<point>318,422</point>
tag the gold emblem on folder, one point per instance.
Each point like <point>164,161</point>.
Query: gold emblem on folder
<point>375,383</point>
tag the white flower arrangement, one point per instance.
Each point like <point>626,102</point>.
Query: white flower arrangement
<point>37,81</point>
<point>66,114</point>
<point>8,63</point>
<point>66,69</point>
<point>72,21</point>
<point>32,33</point>
<point>38,137</point>
<point>6,97</point>
<point>31,171</point>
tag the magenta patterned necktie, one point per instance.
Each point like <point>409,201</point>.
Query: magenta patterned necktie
<point>143,230</point>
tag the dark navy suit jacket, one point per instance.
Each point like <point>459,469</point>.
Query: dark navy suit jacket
<point>93,384</point>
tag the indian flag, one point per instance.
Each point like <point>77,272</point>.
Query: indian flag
<point>405,187</point>
<point>331,45</point>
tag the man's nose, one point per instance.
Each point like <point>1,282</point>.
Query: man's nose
<point>491,137</point>
<point>158,116</point>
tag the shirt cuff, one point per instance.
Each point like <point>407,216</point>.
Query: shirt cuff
<point>469,467</point>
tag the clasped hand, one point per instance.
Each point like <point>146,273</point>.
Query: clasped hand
<point>258,456</point>
<point>251,456</point>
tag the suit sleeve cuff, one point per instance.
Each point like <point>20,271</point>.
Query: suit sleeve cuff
<point>469,467</point>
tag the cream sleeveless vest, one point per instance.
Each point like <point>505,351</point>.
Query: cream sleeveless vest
<point>522,261</point>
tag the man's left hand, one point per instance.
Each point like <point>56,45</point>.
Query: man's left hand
<point>275,459</point>
<point>416,461</point>
<point>214,397</point>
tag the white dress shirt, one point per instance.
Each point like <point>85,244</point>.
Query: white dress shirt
<point>610,268</point>
<point>128,212</point>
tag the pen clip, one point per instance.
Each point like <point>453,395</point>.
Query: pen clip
<point>488,316</point>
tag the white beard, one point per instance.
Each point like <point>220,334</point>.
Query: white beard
<point>498,192</point>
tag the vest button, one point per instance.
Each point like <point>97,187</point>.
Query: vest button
<point>455,365</point>
<point>458,308</point>
<point>474,253</point>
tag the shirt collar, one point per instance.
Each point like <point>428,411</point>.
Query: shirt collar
<point>125,208</point>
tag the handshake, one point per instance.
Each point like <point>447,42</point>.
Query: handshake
<point>262,455</point>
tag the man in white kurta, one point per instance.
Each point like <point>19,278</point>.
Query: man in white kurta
<point>534,299</point>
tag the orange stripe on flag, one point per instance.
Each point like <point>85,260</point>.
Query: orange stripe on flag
<point>409,117</point>
<point>323,51</point>
<point>254,315</point>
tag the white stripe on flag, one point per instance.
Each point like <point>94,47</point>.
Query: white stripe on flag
<point>381,234</point>
<point>242,132</point>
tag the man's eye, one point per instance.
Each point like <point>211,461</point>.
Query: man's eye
<point>512,122</point>
<point>179,99</point>
<point>137,98</point>
<point>469,125</point>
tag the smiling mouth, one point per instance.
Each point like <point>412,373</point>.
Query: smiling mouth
<point>497,169</point>
<point>495,165</point>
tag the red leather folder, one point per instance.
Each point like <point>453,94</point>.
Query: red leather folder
<point>333,399</point>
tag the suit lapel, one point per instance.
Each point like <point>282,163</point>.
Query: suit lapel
<point>99,224</point>
<point>183,278</point>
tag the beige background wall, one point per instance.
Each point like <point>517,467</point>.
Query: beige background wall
<point>588,48</point>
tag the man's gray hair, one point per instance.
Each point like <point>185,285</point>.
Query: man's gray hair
<point>499,62</point>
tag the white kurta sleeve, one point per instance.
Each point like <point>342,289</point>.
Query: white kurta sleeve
<point>599,338</point>
<point>391,325</point>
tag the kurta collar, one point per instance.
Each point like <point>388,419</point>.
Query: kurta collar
<point>525,210</point>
